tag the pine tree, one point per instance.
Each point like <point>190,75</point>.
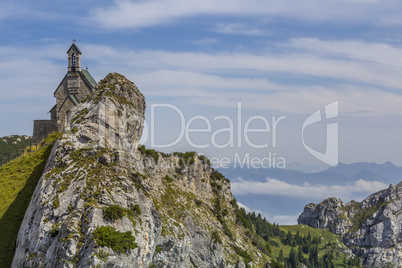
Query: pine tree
<point>289,239</point>
<point>280,257</point>
<point>298,239</point>
<point>313,257</point>
<point>300,255</point>
<point>294,261</point>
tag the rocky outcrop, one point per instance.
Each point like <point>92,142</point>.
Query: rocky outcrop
<point>372,228</point>
<point>102,203</point>
<point>326,215</point>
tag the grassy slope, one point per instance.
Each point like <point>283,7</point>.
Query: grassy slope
<point>326,236</point>
<point>7,146</point>
<point>18,180</point>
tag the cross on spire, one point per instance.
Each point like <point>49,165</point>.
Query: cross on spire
<point>74,40</point>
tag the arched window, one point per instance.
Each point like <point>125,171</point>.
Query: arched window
<point>74,60</point>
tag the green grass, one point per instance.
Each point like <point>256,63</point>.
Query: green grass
<point>7,147</point>
<point>325,235</point>
<point>304,230</point>
<point>18,180</point>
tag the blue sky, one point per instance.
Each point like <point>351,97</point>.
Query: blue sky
<point>278,58</point>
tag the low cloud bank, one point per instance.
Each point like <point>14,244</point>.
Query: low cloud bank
<point>307,190</point>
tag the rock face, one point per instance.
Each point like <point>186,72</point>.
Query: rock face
<point>372,229</point>
<point>329,214</point>
<point>102,203</point>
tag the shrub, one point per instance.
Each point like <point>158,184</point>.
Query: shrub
<point>113,212</point>
<point>137,209</point>
<point>158,249</point>
<point>242,218</point>
<point>218,213</point>
<point>55,203</point>
<point>241,252</point>
<point>107,236</point>
<point>168,178</point>
<point>198,202</point>
<point>217,176</point>
<point>55,230</point>
<point>186,159</point>
<point>234,203</point>
<point>215,185</point>
<point>102,255</point>
<point>204,160</point>
<point>149,152</point>
<point>216,237</point>
<point>274,243</point>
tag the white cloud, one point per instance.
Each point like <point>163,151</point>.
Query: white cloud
<point>281,219</point>
<point>281,188</point>
<point>350,49</point>
<point>314,62</point>
<point>222,78</point>
<point>284,219</point>
<point>137,14</point>
<point>247,209</point>
<point>238,29</point>
<point>30,10</point>
<point>206,41</point>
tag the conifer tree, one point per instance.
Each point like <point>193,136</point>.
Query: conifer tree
<point>294,261</point>
<point>300,255</point>
<point>280,257</point>
<point>289,239</point>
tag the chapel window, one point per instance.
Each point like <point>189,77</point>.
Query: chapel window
<point>74,60</point>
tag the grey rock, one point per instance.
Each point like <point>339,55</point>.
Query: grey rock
<point>105,159</point>
<point>371,229</point>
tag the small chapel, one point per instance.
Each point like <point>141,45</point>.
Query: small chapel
<point>76,85</point>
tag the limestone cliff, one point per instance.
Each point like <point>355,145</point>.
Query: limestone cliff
<point>372,228</point>
<point>102,203</point>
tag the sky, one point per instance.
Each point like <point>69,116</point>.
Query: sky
<point>205,64</point>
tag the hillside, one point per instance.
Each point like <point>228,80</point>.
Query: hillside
<point>10,144</point>
<point>18,180</point>
<point>298,245</point>
<point>271,239</point>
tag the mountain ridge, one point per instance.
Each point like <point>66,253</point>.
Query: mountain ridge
<point>370,228</point>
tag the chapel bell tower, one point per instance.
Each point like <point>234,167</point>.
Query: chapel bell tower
<point>74,58</point>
